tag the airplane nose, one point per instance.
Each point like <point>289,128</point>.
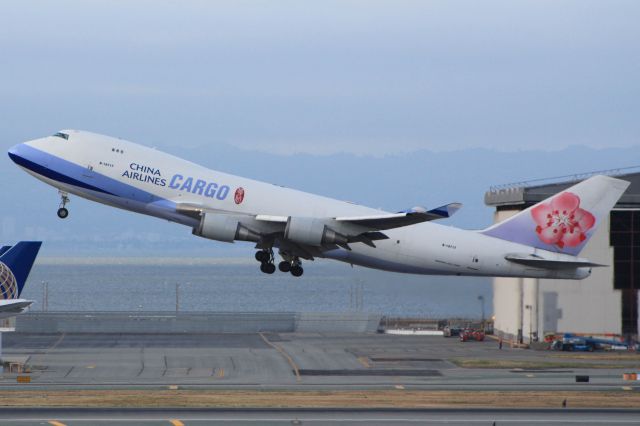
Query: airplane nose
<point>14,153</point>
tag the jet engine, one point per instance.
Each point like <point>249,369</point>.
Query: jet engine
<point>312,231</point>
<point>224,227</point>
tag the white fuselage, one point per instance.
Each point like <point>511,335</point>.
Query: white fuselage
<point>141,179</point>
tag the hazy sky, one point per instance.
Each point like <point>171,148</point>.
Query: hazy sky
<point>325,76</point>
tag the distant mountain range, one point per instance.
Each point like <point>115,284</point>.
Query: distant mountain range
<point>392,183</point>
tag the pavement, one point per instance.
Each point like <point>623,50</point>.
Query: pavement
<point>178,417</point>
<point>292,361</point>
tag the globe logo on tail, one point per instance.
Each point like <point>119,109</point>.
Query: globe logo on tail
<point>8,284</point>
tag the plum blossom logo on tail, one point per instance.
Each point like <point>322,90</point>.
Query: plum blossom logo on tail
<point>561,221</point>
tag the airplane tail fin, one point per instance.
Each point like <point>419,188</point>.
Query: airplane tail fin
<point>15,265</point>
<point>564,222</point>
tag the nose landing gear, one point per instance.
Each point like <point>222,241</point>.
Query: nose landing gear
<point>62,211</point>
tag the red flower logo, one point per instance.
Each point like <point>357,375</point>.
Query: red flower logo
<point>239,195</point>
<point>561,221</point>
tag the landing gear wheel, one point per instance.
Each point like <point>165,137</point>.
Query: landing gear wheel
<point>263,256</point>
<point>267,268</point>
<point>284,266</point>
<point>64,199</point>
<point>297,271</point>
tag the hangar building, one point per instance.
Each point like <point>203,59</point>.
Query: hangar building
<point>604,303</point>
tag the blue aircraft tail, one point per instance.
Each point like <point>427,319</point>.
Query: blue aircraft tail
<point>15,265</point>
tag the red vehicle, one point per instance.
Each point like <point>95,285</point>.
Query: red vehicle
<point>466,335</point>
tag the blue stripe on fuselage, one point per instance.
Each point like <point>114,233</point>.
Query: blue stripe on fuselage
<point>50,173</point>
<point>69,173</point>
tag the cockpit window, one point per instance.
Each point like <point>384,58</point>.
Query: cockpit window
<point>62,135</point>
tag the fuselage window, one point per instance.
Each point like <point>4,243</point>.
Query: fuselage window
<point>62,135</point>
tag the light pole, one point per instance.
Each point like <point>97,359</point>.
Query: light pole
<point>481,299</point>
<point>530,308</point>
<point>45,296</point>
<point>177,297</point>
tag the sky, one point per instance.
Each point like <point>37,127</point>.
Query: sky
<point>288,77</point>
<point>389,104</point>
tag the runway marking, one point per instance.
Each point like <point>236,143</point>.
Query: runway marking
<point>530,375</point>
<point>173,387</point>
<point>399,387</point>
<point>55,345</point>
<point>91,366</point>
<point>627,388</point>
<point>364,361</point>
<point>284,354</point>
<point>55,423</point>
<point>176,422</point>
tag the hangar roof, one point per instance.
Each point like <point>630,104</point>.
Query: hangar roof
<point>524,194</point>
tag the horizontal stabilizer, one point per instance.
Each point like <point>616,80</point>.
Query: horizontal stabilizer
<point>540,262</point>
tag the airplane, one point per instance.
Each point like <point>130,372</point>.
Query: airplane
<point>15,265</point>
<point>543,241</point>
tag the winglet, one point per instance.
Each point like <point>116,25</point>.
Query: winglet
<point>445,211</point>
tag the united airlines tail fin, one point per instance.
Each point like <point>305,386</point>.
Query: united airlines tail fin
<point>564,222</point>
<point>15,265</point>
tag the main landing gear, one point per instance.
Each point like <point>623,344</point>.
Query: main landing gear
<point>265,257</point>
<point>294,267</point>
<point>267,265</point>
<point>62,211</point>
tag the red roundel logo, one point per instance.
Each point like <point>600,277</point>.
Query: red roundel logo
<point>239,195</point>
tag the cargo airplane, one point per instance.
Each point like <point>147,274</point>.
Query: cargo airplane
<point>15,266</point>
<point>543,241</point>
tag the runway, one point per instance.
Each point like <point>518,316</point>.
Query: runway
<point>179,417</point>
<point>298,361</point>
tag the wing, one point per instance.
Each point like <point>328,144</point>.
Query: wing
<point>404,218</point>
<point>306,237</point>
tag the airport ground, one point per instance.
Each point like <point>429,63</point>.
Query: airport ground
<point>407,379</point>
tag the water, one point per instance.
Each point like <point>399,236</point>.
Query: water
<point>233,286</point>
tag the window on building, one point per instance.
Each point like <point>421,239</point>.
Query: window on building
<point>625,239</point>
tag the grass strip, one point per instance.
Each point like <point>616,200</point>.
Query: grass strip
<point>318,399</point>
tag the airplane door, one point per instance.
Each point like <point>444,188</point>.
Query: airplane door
<point>88,172</point>
<point>475,262</point>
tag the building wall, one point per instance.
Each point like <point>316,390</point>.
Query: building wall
<point>507,295</point>
<point>590,305</point>
<point>549,306</point>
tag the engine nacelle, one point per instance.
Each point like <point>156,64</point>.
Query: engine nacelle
<point>311,231</point>
<point>224,227</point>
